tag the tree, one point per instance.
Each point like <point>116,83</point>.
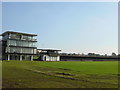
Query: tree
<point>91,54</point>
<point>82,54</point>
<point>105,54</point>
<point>113,54</point>
<point>118,54</point>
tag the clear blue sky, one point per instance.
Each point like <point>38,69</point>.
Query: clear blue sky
<point>81,27</point>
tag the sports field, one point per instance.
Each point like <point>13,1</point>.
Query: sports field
<point>63,74</point>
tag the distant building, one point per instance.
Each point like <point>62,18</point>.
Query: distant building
<point>48,55</point>
<point>18,46</point>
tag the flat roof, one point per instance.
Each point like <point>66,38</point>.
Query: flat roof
<point>48,49</point>
<point>18,33</point>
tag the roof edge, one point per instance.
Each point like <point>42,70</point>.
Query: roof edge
<point>49,49</point>
<point>19,33</point>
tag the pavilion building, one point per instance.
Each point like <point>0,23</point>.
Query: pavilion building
<point>48,55</point>
<point>18,46</point>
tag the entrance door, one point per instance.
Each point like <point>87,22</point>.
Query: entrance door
<point>45,58</point>
<point>23,57</point>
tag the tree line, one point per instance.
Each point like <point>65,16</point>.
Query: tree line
<point>91,54</point>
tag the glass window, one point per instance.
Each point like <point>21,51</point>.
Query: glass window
<point>27,37</point>
<point>15,50</point>
<point>15,36</point>
<point>21,43</point>
<point>27,50</point>
<point>12,35</point>
<point>7,49</point>
<point>12,42</point>
<point>35,51</point>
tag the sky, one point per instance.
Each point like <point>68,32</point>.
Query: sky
<point>73,27</point>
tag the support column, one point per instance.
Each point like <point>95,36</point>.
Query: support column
<point>8,57</point>
<point>20,57</point>
<point>58,58</point>
<point>32,58</point>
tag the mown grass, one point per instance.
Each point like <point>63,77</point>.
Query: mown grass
<point>35,74</point>
<point>96,67</point>
<point>0,74</point>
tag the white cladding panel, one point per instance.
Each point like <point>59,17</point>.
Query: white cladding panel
<point>58,58</point>
<point>51,58</point>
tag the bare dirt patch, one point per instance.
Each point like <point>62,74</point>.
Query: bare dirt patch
<point>66,74</point>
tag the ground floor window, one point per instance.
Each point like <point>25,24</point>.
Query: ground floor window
<point>19,57</point>
<point>14,57</point>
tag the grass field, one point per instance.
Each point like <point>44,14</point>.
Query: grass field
<point>63,74</point>
<point>0,74</point>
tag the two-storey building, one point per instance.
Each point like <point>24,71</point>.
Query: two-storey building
<point>18,46</point>
<point>48,55</point>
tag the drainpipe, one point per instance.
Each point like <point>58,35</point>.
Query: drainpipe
<point>32,58</point>
<point>20,57</point>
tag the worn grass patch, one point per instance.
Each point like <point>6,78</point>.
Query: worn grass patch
<point>35,74</point>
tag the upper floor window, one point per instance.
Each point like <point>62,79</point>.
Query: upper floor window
<point>5,37</point>
<point>15,36</point>
<point>21,43</point>
<point>27,37</point>
<point>31,38</point>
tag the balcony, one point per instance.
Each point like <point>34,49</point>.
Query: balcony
<point>14,37</point>
<point>22,37</point>
<point>29,39</point>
